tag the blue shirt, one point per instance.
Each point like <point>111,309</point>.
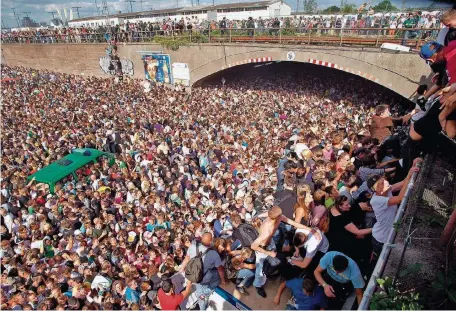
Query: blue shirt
<point>303,301</point>
<point>131,295</point>
<point>211,261</point>
<point>352,272</point>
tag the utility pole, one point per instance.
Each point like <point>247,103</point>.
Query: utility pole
<point>105,13</point>
<point>52,14</point>
<point>297,6</point>
<point>341,5</point>
<point>403,5</point>
<point>98,8</point>
<point>131,4</point>
<point>16,17</point>
<point>27,13</point>
<point>141,1</point>
<point>77,9</point>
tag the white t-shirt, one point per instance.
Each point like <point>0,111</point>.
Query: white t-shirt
<point>385,216</point>
<point>299,148</point>
<point>313,244</point>
<point>442,34</point>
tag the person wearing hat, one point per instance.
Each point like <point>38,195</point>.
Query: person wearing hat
<point>385,204</point>
<point>436,54</point>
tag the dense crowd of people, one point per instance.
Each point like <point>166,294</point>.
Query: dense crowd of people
<point>392,25</point>
<point>277,175</point>
<point>189,167</point>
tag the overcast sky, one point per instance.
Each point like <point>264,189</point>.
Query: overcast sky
<point>39,8</point>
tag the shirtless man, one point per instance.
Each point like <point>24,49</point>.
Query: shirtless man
<point>264,245</point>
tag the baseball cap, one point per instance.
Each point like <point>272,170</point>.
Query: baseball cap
<point>429,49</point>
<point>372,180</point>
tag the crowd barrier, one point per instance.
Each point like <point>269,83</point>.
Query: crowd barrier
<point>413,37</point>
<point>389,244</point>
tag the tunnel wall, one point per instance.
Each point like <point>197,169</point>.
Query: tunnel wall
<point>398,72</point>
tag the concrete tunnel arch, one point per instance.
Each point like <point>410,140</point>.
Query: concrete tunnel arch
<point>383,68</point>
<point>399,72</point>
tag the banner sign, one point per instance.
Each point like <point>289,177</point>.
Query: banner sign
<point>181,74</point>
<point>157,67</point>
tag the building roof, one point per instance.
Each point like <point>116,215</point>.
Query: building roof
<point>182,10</point>
<point>243,5</point>
<point>65,166</point>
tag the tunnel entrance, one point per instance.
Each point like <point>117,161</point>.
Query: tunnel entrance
<point>299,77</point>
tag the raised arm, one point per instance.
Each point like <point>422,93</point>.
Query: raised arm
<point>294,224</point>
<point>397,199</point>
<point>188,290</point>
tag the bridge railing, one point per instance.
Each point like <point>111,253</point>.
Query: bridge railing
<point>412,37</point>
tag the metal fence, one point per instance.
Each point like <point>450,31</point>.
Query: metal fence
<point>386,250</point>
<point>413,37</point>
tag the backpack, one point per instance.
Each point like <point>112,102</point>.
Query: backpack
<point>194,271</point>
<point>230,272</point>
<point>274,265</point>
<point>248,234</point>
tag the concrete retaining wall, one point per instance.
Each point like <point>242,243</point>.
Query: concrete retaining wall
<point>399,72</point>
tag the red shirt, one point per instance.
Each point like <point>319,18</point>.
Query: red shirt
<point>450,56</point>
<point>169,302</point>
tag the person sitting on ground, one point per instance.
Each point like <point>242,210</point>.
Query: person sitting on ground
<point>310,246</point>
<point>305,295</point>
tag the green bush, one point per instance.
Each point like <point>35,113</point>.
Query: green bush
<point>390,298</point>
<point>172,43</point>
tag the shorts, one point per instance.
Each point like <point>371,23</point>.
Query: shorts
<point>429,125</point>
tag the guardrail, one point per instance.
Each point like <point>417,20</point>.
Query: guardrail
<point>386,250</point>
<point>413,37</point>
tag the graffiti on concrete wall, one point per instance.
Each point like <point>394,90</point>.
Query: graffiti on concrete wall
<point>114,65</point>
<point>127,67</point>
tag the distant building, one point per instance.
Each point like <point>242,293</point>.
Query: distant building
<point>232,11</point>
<point>28,22</point>
<point>56,22</point>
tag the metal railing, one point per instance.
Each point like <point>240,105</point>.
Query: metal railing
<point>386,250</point>
<point>413,37</point>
